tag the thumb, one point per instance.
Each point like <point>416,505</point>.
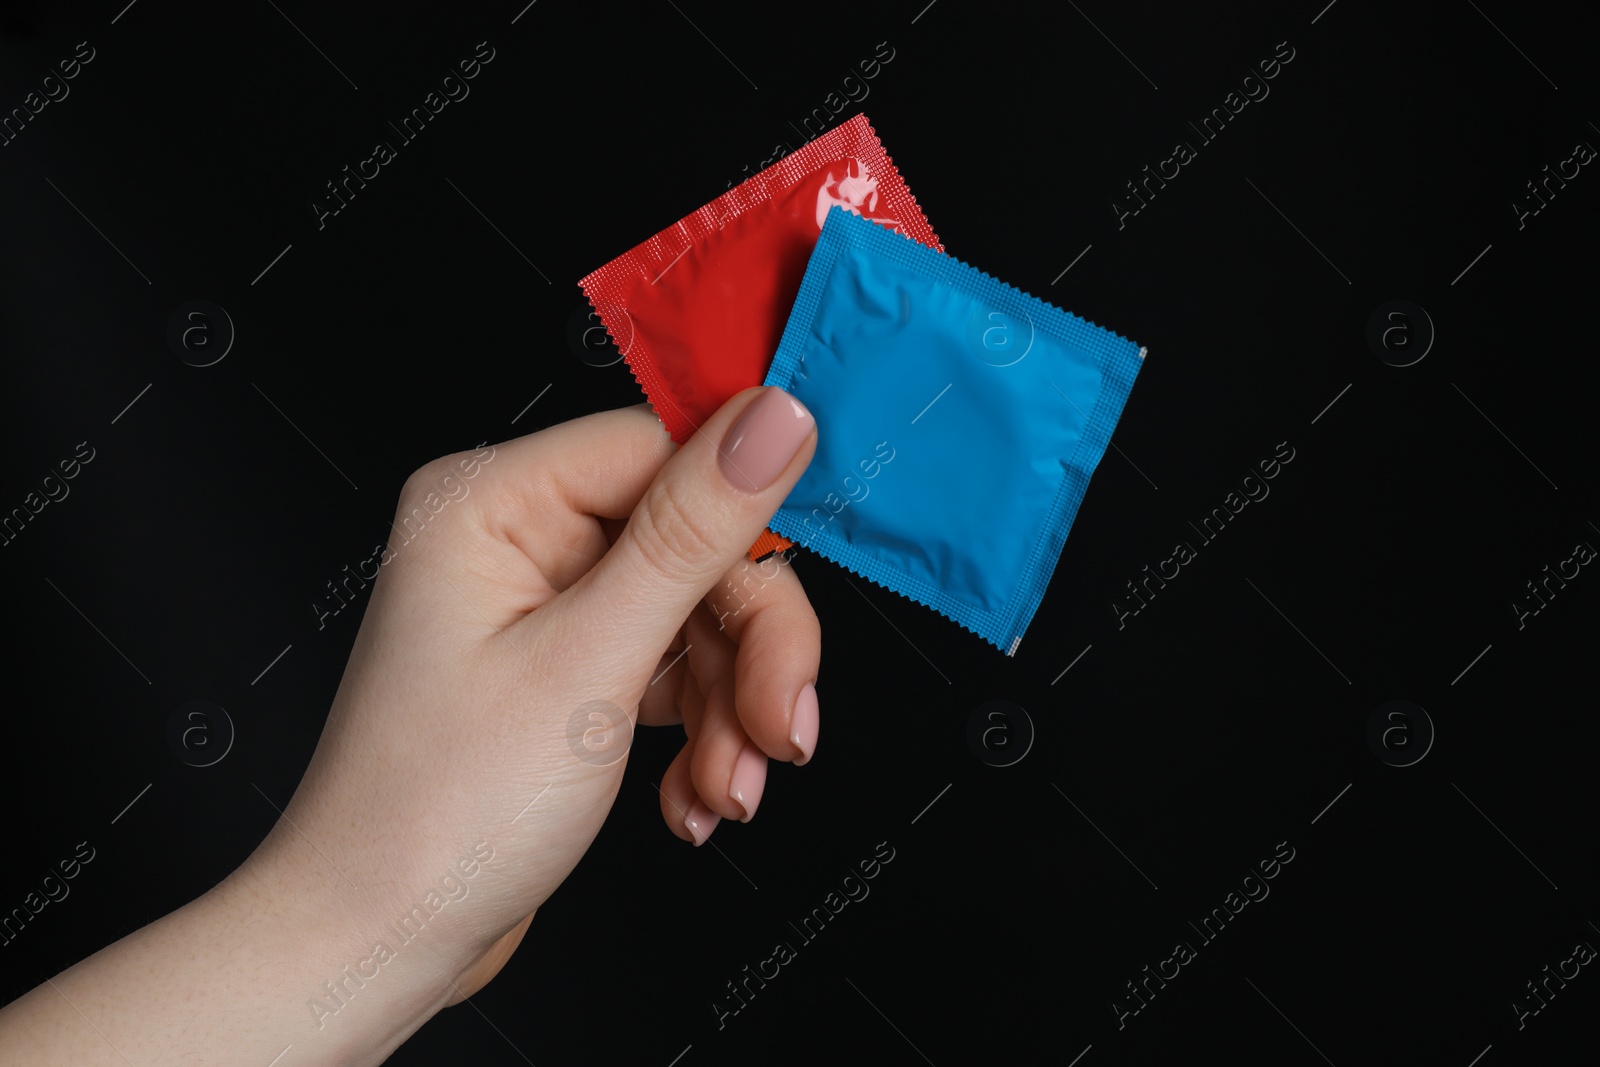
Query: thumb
<point>696,520</point>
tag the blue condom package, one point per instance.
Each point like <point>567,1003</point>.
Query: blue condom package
<point>959,423</point>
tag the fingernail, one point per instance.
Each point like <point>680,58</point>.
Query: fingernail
<point>803,724</point>
<point>749,779</point>
<point>700,822</point>
<point>763,439</point>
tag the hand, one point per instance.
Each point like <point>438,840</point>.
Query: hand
<point>512,645</point>
<point>472,750</point>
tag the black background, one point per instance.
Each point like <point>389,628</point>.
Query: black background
<point>1177,751</point>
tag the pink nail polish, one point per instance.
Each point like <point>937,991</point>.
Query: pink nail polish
<point>749,779</point>
<point>700,822</point>
<point>803,724</point>
<point>763,439</point>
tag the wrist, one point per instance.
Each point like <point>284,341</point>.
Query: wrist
<point>350,989</point>
<point>231,977</point>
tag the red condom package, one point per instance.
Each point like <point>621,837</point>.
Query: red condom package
<point>698,309</point>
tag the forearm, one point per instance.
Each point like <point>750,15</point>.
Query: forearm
<point>245,974</point>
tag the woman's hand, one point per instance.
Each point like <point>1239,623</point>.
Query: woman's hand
<point>554,591</point>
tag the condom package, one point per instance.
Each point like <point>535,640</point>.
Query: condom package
<point>959,421</point>
<point>697,310</point>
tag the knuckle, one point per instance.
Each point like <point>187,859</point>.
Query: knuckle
<point>425,496</point>
<point>672,535</point>
<point>421,481</point>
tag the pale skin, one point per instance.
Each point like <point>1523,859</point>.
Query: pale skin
<point>583,560</point>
